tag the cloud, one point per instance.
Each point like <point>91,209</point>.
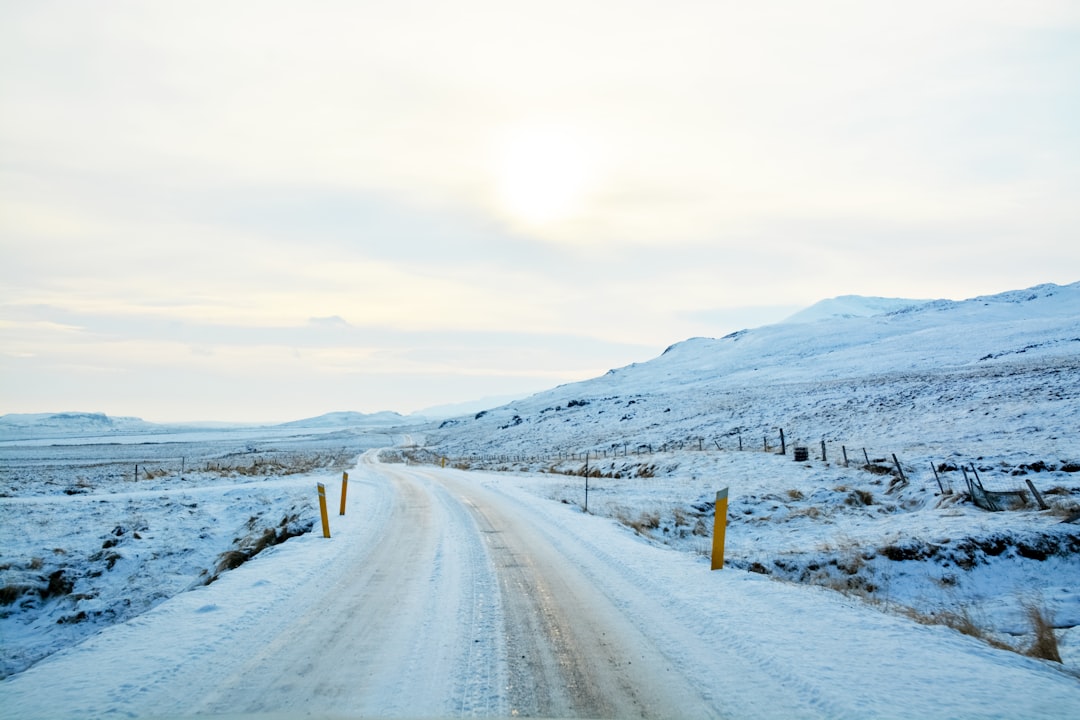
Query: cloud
<point>333,321</point>
<point>196,186</point>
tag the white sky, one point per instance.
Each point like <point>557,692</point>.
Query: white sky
<point>269,210</point>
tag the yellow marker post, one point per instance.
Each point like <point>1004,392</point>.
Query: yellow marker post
<point>344,489</point>
<point>322,511</point>
<point>719,528</point>
<point>444,462</point>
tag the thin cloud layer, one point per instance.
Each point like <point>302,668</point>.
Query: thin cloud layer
<point>202,179</point>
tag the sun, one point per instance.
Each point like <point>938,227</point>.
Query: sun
<point>543,173</point>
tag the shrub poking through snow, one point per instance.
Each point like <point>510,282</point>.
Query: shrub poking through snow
<point>255,542</point>
<point>1045,643</point>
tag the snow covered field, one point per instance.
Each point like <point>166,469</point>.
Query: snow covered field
<point>92,549</point>
<point>96,529</point>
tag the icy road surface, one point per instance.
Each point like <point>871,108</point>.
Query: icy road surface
<point>446,594</point>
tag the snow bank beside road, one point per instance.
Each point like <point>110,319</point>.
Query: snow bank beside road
<point>86,543</point>
<point>779,650</point>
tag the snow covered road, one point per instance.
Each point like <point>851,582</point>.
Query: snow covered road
<point>446,593</point>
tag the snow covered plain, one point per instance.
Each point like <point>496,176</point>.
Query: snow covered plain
<point>95,529</point>
<point>489,591</point>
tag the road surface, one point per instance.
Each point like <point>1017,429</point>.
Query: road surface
<point>451,594</point>
<point>464,604</point>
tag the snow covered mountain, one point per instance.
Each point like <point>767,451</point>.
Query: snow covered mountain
<point>849,306</point>
<point>942,377</point>
<point>349,419</point>
<point>69,423</point>
<point>22,426</point>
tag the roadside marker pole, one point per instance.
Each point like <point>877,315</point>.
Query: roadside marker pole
<point>322,511</point>
<point>344,489</point>
<point>586,482</point>
<point>719,529</point>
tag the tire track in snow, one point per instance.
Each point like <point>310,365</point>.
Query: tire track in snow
<point>406,630</point>
<point>571,651</point>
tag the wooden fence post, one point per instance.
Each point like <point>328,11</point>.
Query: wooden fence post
<point>1038,496</point>
<point>586,482</point>
<point>898,468</point>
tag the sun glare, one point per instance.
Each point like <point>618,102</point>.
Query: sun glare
<point>543,174</point>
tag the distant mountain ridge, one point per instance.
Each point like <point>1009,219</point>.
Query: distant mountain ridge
<point>346,418</point>
<point>844,337</point>
<point>74,422</point>
<point>849,306</point>
<point>947,368</point>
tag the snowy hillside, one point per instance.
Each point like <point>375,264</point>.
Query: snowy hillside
<point>988,375</point>
<point>849,306</point>
<point>75,425</point>
<point>68,423</point>
<point>352,419</point>
<point>895,410</point>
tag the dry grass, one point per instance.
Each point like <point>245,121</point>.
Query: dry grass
<point>1064,508</point>
<point>255,542</point>
<point>279,464</point>
<point>10,593</point>
<point>1045,643</point>
<point>642,524</point>
<point>959,620</point>
<point>858,498</point>
<point>812,511</point>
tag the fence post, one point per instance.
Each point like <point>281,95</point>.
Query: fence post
<point>898,468</point>
<point>719,530</point>
<point>586,481</point>
<point>1038,496</point>
<point>783,445</point>
<point>322,511</point>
